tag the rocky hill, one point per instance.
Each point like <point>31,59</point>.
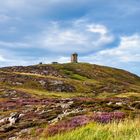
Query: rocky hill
<point>34,96</point>
<point>85,78</point>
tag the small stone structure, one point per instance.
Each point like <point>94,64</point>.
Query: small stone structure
<point>54,62</point>
<point>40,63</point>
<point>74,58</point>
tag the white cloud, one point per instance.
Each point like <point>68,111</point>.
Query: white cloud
<point>60,38</point>
<point>2,58</point>
<point>97,29</point>
<point>77,37</point>
<point>126,55</point>
<point>127,51</point>
<point>8,44</point>
<point>63,59</point>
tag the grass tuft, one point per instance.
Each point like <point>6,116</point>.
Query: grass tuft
<point>125,130</point>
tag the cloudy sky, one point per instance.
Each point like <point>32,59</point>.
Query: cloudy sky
<point>105,32</point>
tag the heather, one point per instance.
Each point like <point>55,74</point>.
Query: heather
<point>123,130</point>
<point>77,121</point>
<point>51,101</point>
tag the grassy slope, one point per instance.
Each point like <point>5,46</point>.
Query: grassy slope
<point>86,78</point>
<point>127,130</point>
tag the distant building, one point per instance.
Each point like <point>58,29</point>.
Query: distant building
<point>54,62</point>
<point>40,63</point>
<point>74,58</point>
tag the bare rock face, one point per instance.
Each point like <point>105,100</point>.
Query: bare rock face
<point>61,88</point>
<point>56,85</point>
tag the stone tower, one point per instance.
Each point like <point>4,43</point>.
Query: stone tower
<point>74,58</point>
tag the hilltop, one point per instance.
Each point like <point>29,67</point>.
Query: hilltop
<point>71,77</point>
<point>33,97</point>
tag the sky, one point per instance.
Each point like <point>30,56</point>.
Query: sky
<point>104,32</point>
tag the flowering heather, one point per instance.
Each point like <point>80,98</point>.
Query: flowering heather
<point>123,130</point>
<point>83,120</point>
<point>105,117</point>
<point>68,124</point>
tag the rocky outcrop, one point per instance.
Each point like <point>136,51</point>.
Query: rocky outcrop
<point>50,84</point>
<point>39,69</point>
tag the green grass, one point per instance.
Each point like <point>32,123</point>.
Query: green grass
<point>129,95</point>
<point>43,93</point>
<point>127,130</point>
<point>120,95</point>
<point>73,75</point>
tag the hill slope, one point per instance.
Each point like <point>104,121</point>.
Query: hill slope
<point>81,77</point>
<point>63,97</point>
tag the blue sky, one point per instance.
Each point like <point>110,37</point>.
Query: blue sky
<point>101,31</point>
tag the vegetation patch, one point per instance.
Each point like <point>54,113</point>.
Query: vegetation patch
<point>124,130</point>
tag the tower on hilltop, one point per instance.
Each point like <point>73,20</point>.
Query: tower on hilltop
<point>74,58</point>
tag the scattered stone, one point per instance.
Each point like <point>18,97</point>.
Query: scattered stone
<point>119,103</point>
<point>14,117</point>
